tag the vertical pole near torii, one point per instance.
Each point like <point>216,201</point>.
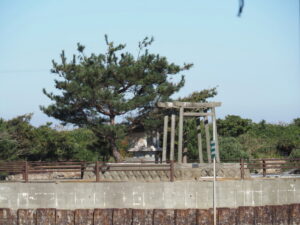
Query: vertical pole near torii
<point>172,137</point>
<point>180,134</point>
<point>207,138</point>
<point>215,133</point>
<point>165,139</point>
<point>199,137</point>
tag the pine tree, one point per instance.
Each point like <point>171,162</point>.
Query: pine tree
<point>97,89</point>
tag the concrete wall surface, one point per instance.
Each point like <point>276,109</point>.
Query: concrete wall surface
<point>259,215</point>
<point>154,195</point>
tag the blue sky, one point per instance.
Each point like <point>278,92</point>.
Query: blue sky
<point>254,60</point>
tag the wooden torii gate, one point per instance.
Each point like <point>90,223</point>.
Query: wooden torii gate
<point>194,109</point>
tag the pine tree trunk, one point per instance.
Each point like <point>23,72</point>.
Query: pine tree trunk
<point>116,154</point>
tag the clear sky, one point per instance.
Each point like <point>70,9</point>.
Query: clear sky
<point>254,60</point>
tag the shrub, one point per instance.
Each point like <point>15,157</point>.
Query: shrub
<point>295,154</point>
<point>231,149</point>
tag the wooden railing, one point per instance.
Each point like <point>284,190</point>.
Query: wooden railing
<point>268,166</point>
<point>26,168</point>
<point>263,167</point>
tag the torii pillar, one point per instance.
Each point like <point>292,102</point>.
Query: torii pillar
<point>205,110</point>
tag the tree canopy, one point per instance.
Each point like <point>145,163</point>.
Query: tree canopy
<point>98,88</point>
<point>233,126</point>
<point>20,140</point>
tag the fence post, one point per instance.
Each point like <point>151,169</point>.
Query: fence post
<point>172,170</point>
<point>97,171</point>
<point>26,172</point>
<point>82,170</point>
<point>264,168</point>
<point>242,168</point>
<point>23,170</point>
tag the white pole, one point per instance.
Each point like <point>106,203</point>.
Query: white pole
<point>215,134</point>
<point>215,196</point>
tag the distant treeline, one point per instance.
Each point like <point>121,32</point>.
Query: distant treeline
<point>243,138</point>
<point>20,140</point>
<point>238,137</point>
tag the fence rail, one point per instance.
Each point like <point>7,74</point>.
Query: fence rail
<point>26,168</point>
<point>268,166</point>
<point>264,167</point>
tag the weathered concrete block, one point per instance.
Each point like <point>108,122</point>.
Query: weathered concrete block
<point>281,215</point>
<point>123,175</point>
<point>205,217</point>
<point>122,216</point>
<point>65,217</point>
<point>264,215</point>
<point>8,217</point>
<point>45,217</point>
<point>186,216</point>
<point>164,216</point>
<point>103,217</point>
<point>245,215</point>
<point>295,214</point>
<point>26,217</point>
<point>226,216</point>
<point>138,175</point>
<point>142,217</point>
<point>84,217</point>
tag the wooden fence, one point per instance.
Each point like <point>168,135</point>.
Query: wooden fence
<point>25,168</point>
<point>263,167</point>
<point>268,166</point>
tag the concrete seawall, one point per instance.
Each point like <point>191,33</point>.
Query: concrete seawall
<point>155,195</point>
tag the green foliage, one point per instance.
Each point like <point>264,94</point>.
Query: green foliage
<point>231,149</point>
<point>97,89</point>
<point>200,96</point>
<point>83,140</point>
<point>20,140</point>
<point>264,140</point>
<point>242,138</point>
<point>282,137</point>
<point>296,122</point>
<point>295,154</point>
<point>256,146</point>
<point>190,137</point>
<point>233,126</point>
<point>285,146</point>
<point>16,137</point>
<point>62,145</point>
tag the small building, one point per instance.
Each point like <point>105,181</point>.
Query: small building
<point>145,146</point>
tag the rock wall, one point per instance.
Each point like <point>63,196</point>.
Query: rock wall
<point>262,215</point>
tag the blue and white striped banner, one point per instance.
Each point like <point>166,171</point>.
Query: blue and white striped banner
<point>213,149</point>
